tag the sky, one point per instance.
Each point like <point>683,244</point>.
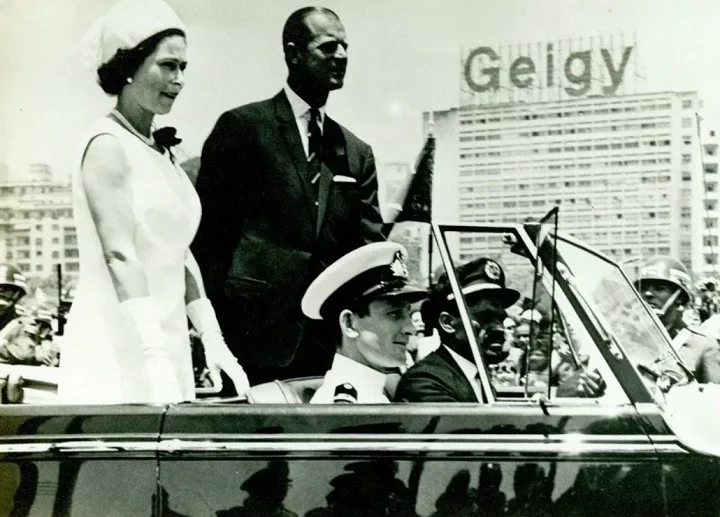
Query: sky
<point>404,58</point>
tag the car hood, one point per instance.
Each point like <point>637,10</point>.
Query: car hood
<point>690,411</point>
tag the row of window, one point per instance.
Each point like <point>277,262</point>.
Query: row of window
<point>583,111</point>
<point>534,151</point>
<point>584,183</point>
<point>508,172</point>
<point>25,254</point>
<point>14,190</point>
<point>614,146</point>
<point>470,135</point>
<point>69,267</point>
<point>629,216</point>
<point>25,240</point>
<point>56,213</point>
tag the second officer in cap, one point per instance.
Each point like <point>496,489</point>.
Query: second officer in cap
<point>449,374</point>
<point>367,294</point>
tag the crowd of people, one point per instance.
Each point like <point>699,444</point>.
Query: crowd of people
<point>26,337</point>
<point>276,257</point>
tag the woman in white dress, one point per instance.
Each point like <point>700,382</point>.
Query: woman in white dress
<point>136,214</point>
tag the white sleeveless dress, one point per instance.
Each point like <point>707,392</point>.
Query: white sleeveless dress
<point>102,360</point>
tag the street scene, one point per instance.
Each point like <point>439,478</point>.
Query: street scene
<point>378,258</point>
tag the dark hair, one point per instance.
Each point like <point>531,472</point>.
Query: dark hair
<point>359,307</point>
<point>296,30</point>
<point>113,75</point>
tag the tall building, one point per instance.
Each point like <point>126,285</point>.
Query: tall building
<point>624,169</point>
<point>36,224</point>
<point>709,265</point>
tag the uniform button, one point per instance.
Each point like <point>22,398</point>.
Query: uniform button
<point>317,203</point>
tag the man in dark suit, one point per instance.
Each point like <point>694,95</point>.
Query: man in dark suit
<point>449,373</point>
<point>285,191</point>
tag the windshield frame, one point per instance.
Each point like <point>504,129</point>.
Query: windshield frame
<point>625,368</point>
<point>637,393</point>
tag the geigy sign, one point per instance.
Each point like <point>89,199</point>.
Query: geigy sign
<point>523,71</point>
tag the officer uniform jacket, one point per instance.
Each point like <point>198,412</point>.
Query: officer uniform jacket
<point>700,353</point>
<point>369,383</point>
<point>16,347</point>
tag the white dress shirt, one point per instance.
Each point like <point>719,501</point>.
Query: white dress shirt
<point>369,383</point>
<point>470,371</point>
<point>301,111</point>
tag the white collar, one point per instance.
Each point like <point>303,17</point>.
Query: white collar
<point>353,372</point>
<point>470,371</point>
<point>298,105</point>
<point>468,367</point>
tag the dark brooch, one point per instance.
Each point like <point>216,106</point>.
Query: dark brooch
<point>166,137</point>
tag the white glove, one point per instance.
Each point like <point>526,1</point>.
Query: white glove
<point>140,312</point>
<point>217,355</point>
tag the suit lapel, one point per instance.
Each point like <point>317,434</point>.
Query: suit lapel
<point>334,161</point>
<point>288,129</point>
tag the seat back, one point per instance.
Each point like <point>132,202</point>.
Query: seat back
<point>291,391</point>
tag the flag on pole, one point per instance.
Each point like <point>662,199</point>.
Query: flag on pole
<point>414,201</point>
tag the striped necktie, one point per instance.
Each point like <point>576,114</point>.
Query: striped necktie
<point>314,146</point>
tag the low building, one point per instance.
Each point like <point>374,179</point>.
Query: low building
<point>37,230</point>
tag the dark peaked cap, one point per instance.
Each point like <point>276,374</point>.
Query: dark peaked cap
<point>479,278</point>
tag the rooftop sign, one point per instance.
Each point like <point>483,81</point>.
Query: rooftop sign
<point>575,72</point>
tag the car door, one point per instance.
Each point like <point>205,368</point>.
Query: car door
<point>76,460</point>
<point>411,459</point>
<point>515,454</point>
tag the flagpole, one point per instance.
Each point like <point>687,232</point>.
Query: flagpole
<point>431,125</point>
<point>61,326</point>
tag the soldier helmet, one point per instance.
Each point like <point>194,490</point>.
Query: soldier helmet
<point>670,271</point>
<point>12,281</point>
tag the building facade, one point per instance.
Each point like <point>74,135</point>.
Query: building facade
<point>626,171</point>
<point>709,265</point>
<point>37,230</point>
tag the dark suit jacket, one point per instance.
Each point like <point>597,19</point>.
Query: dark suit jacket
<point>436,378</point>
<point>262,237</point>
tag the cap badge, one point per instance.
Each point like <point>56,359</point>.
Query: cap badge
<point>398,267</point>
<point>492,270</point>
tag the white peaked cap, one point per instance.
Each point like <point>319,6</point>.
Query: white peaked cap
<point>376,270</point>
<point>126,24</point>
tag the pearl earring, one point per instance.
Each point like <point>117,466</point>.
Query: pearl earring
<point>129,80</point>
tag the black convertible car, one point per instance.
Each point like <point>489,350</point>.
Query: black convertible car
<point>650,445</point>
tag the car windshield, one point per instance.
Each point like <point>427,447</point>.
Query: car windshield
<point>622,314</point>
<point>546,341</point>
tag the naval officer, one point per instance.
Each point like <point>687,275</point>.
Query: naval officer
<point>367,295</point>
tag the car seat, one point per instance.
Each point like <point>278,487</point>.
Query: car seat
<point>291,391</point>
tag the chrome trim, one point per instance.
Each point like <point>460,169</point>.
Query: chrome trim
<point>558,448</point>
<point>95,446</point>
<point>664,438</point>
<point>564,445</point>
<point>440,437</point>
<point>94,437</point>
<point>671,449</point>
<point>24,448</point>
